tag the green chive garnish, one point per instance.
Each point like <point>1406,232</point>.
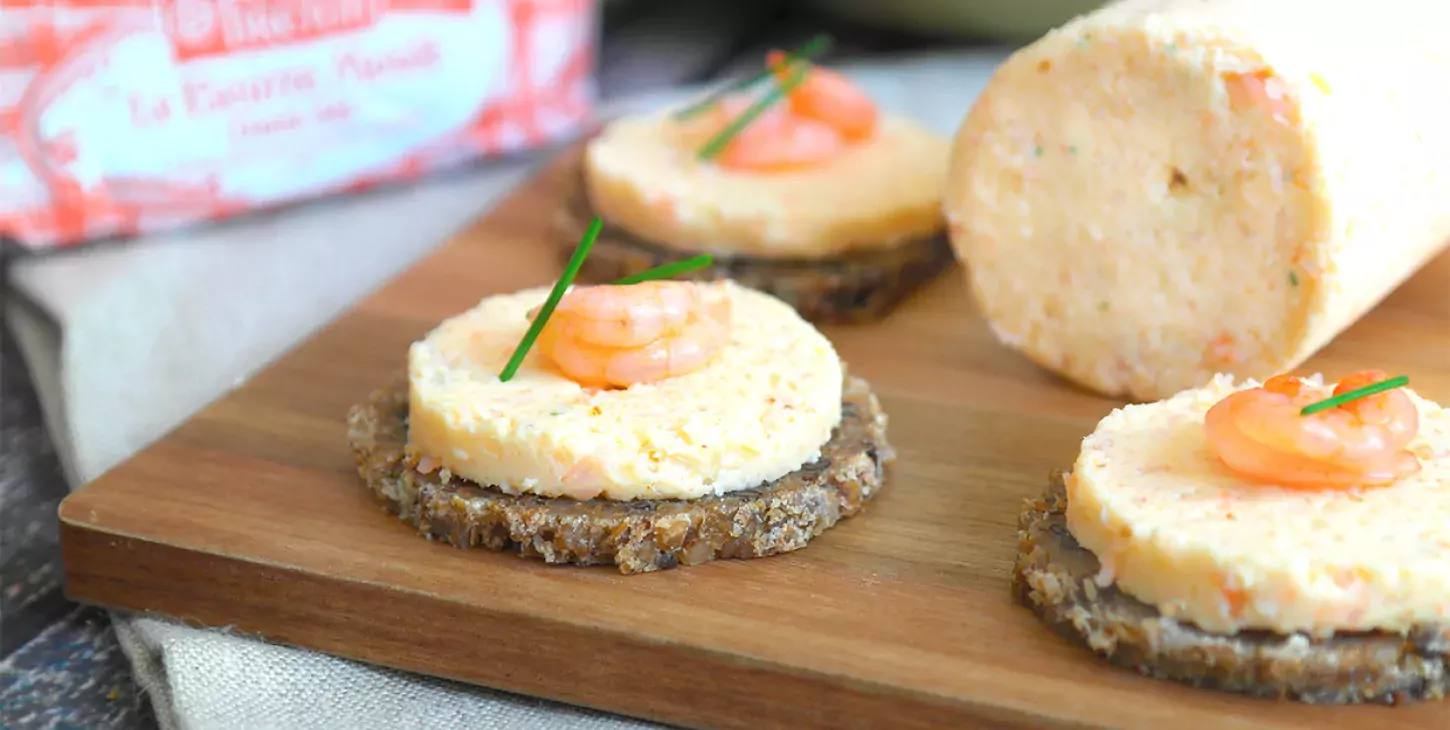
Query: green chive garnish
<point>1355,394</point>
<point>561,286</point>
<point>815,47</point>
<point>737,125</point>
<point>668,270</point>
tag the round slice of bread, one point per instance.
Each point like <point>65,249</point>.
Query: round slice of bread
<point>636,536</point>
<point>858,287</point>
<point>1055,578</point>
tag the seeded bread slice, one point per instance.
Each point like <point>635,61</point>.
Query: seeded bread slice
<point>1054,578</point>
<point>636,536</point>
<point>854,288</point>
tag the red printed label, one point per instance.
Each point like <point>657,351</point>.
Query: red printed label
<point>447,6</point>
<point>200,28</point>
<point>114,124</point>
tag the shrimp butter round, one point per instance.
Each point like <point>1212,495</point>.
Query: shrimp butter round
<point>762,405</point>
<point>1161,190</point>
<point>642,175</point>
<point>1155,495</point>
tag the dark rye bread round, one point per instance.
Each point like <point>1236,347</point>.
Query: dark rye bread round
<point>1054,577</point>
<point>852,288</point>
<point>637,536</point>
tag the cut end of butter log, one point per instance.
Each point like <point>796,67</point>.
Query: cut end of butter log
<point>1162,190</point>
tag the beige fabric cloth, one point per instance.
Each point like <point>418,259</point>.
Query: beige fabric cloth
<point>128,341</point>
<point>217,681</point>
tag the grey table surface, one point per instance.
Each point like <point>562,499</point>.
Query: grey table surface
<point>61,666</point>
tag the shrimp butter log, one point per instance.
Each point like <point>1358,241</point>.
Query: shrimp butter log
<point>822,200</point>
<point>1227,538</point>
<point>650,425</point>
<point>1165,189</point>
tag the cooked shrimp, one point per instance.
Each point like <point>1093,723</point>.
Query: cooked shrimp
<point>617,336</point>
<point>1260,434</point>
<point>791,142</point>
<point>822,115</point>
<point>1260,90</point>
<point>829,97</point>
<point>708,123</point>
<point>777,140</point>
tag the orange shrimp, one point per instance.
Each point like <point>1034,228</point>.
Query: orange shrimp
<point>823,114</point>
<point>827,96</point>
<point>787,142</point>
<point>1260,90</point>
<point>1260,434</point>
<point>618,336</point>
<point>708,123</point>
<point>777,140</point>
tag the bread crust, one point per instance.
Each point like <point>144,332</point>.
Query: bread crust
<point>637,536</point>
<point>1054,577</point>
<point>857,287</point>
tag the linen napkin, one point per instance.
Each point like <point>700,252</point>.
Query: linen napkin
<point>218,681</point>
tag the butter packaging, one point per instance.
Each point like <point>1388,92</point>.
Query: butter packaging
<point>119,117</point>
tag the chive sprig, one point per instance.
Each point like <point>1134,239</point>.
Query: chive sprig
<point>721,140</point>
<point>571,270</point>
<point>667,270</point>
<point>1355,394</point>
<point>813,48</point>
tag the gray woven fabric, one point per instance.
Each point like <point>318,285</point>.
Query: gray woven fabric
<point>210,680</point>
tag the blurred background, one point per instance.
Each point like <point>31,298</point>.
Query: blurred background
<point>657,43</point>
<point>77,317</point>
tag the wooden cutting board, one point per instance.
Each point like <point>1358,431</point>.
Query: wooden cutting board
<point>251,515</point>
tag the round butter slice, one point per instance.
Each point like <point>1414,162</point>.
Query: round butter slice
<point>1177,530</point>
<point>1162,190</point>
<point>641,174</point>
<point>764,406</point>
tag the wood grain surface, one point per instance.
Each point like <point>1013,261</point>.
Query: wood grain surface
<point>251,515</point>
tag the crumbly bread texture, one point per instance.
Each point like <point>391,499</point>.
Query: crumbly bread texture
<point>636,536</point>
<point>1055,578</point>
<point>859,286</point>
